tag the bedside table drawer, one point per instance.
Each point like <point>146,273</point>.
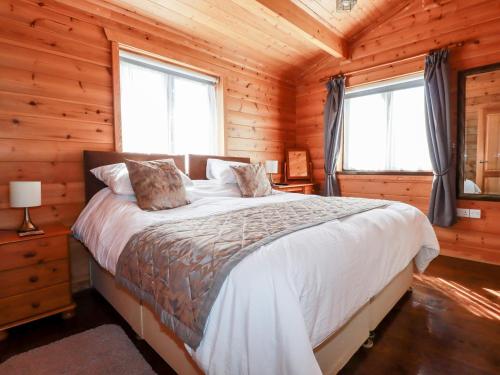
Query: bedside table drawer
<point>21,280</point>
<point>35,251</point>
<point>304,188</point>
<point>34,303</point>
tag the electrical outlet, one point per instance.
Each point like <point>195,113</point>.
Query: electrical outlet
<point>475,214</point>
<point>463,212</point>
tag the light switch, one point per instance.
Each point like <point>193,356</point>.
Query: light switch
<point>463,212</point>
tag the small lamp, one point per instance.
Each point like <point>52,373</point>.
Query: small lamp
<point>25,194</point>
<point>271,167</point>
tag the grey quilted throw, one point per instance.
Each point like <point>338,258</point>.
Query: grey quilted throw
<point>178,267</point>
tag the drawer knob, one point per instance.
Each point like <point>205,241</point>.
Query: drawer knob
<point>30,254</point>
<point>33,279</point>
<point>35,305</point>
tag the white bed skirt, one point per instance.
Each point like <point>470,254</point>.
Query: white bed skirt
<point>331,355</point>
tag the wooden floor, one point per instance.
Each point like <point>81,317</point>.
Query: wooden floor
<point>450,324</point>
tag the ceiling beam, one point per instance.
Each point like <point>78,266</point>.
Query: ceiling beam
<point>308,27</point>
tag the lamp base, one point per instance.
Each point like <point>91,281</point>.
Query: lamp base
<point>31,233</point>
<point>27,228</point>
<point>271,179</point>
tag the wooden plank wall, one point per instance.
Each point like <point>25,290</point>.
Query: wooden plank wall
<point>476,25</point>
<point>56,100</point>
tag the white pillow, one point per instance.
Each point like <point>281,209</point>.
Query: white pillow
<point>116,177</point>
<point>221,170</point>
<point>211,189</point>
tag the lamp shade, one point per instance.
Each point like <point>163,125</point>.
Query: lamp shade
<point>25,193</point>
<point>271,166</point>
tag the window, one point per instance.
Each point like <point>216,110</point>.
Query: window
<point>166,109</point>
<point>384,128</point>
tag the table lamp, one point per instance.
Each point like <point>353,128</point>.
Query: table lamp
<point>25,194</point>
<point>271,167</point>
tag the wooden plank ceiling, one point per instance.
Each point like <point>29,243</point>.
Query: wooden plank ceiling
<point>280,36</point>
<point>365,15</point>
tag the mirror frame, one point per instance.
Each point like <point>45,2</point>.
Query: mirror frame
<point>308,161</point>
<point>462,75</point>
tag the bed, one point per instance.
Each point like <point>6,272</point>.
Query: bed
<point>323,331</point>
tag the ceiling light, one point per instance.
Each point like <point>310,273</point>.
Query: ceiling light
<point>345,5</point>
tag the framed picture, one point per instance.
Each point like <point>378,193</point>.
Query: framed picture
<point>298,164</point>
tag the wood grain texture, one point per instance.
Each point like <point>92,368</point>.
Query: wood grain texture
<point>412,31</point>
<point>21,280</point>
<point>365,15</point>
<point>56,92</point>
<point>57,96</point>
<point>207,23</point>
<point>34,275</point>
<point>453,297</point>
<point>308,27</point>
<point>29,305</point>
<point>29,253</point>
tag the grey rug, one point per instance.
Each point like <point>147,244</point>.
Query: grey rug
<point>103,350</point>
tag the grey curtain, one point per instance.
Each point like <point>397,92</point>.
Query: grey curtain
<point>442,207</point>
<point>332,119</point>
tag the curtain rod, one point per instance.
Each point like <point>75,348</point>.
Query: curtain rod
<point>372,67</point>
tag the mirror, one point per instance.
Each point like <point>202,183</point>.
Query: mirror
<point>479,133</point>
<point>297,162</point>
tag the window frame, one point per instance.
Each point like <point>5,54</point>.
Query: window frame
<point>399,83</point>
<point>116,47</point>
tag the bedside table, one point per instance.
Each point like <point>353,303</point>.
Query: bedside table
<point>34,277</point>
<point>304,188</point>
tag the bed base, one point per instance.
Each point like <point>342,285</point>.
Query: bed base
<point>331,355</point>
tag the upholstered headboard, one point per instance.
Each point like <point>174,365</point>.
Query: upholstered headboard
<point>198,164</point>
<point>94,159</point>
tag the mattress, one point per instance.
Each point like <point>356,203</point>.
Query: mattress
<point>290,295</point>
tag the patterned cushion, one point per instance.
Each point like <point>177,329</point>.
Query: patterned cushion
<point>157,184</point>
<point>252,180</point>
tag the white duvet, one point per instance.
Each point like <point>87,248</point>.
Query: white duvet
<point>286,298</point>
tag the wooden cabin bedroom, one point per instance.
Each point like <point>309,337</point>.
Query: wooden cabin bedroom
<point>249,187</point>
